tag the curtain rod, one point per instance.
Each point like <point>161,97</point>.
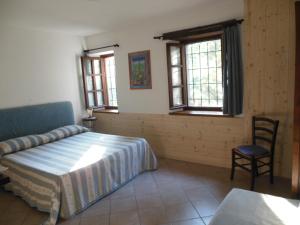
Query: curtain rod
<point>94,49</point>
<point>197,30</point>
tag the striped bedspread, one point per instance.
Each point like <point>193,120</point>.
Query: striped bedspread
<point>67,176</point>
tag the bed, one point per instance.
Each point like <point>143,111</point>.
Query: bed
<point>242,207</point>
<point>62,168</point>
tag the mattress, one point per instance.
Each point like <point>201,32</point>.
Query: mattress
<point>66,176</point>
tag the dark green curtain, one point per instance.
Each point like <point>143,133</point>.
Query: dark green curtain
<point>233,72</point>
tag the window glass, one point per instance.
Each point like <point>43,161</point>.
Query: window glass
<point>89,83</point>
<point>111,80</point>
<point>175,56</point>
<point>96,66</point>
<point>91,99</point>
<point>176,76</point>
<point>204,74</point>
<point>98,82</point>
<point>88,67</point>
<point>177,96</point>
<point>99,98</point>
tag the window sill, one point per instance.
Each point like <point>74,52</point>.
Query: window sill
<point>114,111</point>
<point>199,113</point>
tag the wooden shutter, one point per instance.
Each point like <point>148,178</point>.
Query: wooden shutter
<point>92,81</point>
<point>176,75</point>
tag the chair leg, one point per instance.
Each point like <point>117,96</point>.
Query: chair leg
<point>256,169</point>
<point>232,165</point>
<point>271,173</point>
<point>253,173</point>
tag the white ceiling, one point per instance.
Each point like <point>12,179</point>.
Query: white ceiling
<point>86,17</point>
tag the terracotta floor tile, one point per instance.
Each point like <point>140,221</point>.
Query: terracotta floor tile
<point>207,206</point>
<point>193,183</point>
<point>34,217</point>
<point>149,201</point>
<point>164,177</point>
<point>190,222</point>
<point>173,197</point>
<point>145,188</point>
<point>125,218</point>
<point>220,191</point>
<point>72,221</point>
<point>123,192</point>
<point>142,178</point>
<point>166,186</point>
<point>100,208</point>
<point>181,212</point>
<point>154,216</point>
<point>6,200</point>
<point>197,194</point>
<point>12,219</point>
<point>95,220</point>
<point>123,204</point>
<point>18,206</point>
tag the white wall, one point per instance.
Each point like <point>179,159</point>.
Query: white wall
<point>140,37</point>
<point>39,67</point>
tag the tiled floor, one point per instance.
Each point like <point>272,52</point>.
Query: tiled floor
<point>178,193</point>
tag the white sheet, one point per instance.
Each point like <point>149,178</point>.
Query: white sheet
<point>241,207</point>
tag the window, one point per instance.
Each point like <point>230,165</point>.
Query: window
<point>195,74</point>
<point>99,81</point>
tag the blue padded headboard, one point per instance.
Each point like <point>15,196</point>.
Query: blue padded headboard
<point>35,119</point>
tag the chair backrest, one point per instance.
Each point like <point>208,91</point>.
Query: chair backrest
<point>265,130</point>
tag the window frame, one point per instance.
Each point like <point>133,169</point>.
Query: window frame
<point>102,74</point>
<point>182,44</point>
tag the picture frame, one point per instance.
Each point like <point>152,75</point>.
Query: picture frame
<point>140,70</point>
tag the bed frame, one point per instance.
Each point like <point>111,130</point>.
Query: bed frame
<point>35,119</point>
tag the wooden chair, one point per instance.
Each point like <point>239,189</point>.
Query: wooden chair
<point>264,131</point>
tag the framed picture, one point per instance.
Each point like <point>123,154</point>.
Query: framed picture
<point>140,70</point>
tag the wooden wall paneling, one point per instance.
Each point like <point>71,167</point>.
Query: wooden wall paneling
<point>268,80</point>
<point>180,137</point>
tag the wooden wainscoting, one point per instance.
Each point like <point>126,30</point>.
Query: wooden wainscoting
<point>205,140</point>
<point>195,139</point>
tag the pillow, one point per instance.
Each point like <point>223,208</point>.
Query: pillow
<point>31,141</point>
<point>66,131</point>
<point>20,143</point>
